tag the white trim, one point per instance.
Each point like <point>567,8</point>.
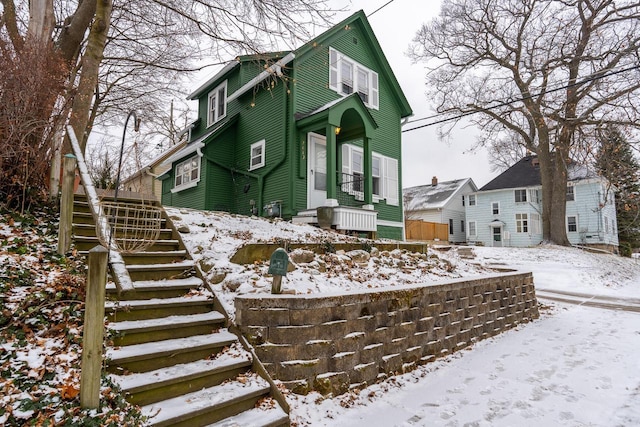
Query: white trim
<point>191,184</point>
<point>230,66</point>
<point>215,93</point>
<point>335,78</point>
<point>492,210</point>
<point>273,69</point>
<point>385,223</point>
<point>262,144</point>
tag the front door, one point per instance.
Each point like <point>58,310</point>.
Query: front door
<point>497,236</point>
<point>316,170</point>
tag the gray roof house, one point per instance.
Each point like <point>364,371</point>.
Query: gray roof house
<point>508,210</point>
<point>440,202</point>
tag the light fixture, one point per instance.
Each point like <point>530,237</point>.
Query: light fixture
<point>337,130</point>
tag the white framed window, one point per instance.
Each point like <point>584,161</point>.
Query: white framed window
<point>217,104</point>
<point>522,223</point>
<point>187,173</point>
<point>384,174</point>
<point>536,226</point>
<point>495,208</point>
<point>472,229</point>
<point>534,195</point>
<point>257,155</point>
<point>347,76</point>
<point>472,199</point>
<point>376,175</point>
<point>450,225</point>
<point>462,226</point>
<point>570,193</point>
<point>462,200</point>
<point>520,196</point>
<point>572,224</point>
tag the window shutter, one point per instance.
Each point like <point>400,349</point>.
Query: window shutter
<point>333,69</point>
<point>391,181</point>
<point>374,90</point>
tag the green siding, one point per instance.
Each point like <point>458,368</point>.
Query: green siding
<point>385,232</point>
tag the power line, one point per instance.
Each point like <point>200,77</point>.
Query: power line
<point>381,7</point>
<point>595,76</point>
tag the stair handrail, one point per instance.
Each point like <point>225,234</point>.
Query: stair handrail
<point>122,278</point>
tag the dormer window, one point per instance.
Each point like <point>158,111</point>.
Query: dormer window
<point>346,76</point>
<point>217,104</point>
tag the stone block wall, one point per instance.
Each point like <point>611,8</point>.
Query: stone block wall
<point>330,343</point>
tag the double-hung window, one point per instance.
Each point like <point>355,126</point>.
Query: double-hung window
<point>572,224</point>
<point>217,104</point>
<point>571,196</point>
<point>384,175</point>
<point>472,199</point>
<point>257,155</point>
<point>472,229</point>
<point>347,76</point>
<point>520,196</point>
<point>522,223</point>
<point>187,173</point>
<point>495,208</point>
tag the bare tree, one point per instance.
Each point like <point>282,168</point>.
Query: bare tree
<point>135,53</point>
<point>546,74</point>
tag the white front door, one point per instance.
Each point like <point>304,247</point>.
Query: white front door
<point>316,170</point>
<point>497,237</point>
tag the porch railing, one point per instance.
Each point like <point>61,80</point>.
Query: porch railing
<point>350,190</point>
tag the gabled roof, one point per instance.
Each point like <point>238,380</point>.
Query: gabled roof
<point>526,173</point>
<point>425,197</point>
<point>157,161</point>
<point>359,18</point>
<point>284,57</point>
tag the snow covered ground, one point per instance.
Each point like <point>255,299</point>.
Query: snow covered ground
<point>575,366</point>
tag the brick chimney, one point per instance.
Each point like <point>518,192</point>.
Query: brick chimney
<point>434,181</point>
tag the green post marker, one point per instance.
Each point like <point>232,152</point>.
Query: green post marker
<point>278,265</point>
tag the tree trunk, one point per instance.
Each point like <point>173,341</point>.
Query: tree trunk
<point>89,74</point>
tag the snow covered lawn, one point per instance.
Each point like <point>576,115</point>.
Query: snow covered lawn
<point>575,366</point>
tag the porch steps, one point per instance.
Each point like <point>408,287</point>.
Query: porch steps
<point>168,348</point>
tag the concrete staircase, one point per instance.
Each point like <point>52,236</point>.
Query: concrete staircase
<point>169,347</point>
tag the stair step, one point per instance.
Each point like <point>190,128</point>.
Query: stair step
<point>160,271</point>
<point>160,354</point>
<point>167,288</point>
<point>89,229</point>
<point>84,243</point>
<point>165,383</point>
<point>208,405</point>
<point>131,332</point>
<point>154,257</point>
<point>118,311</point>
<point>273,416</point>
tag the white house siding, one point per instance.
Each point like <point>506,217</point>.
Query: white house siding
<point>482,214</point>
<point>596,213</point>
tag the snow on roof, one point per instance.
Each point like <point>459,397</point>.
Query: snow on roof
<point>425,197</point>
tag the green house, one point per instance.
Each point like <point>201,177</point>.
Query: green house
<point>312,135</point>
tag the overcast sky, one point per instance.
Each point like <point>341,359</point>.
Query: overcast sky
<point>424,155</point>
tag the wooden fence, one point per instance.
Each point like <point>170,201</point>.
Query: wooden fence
<point>423,230</point>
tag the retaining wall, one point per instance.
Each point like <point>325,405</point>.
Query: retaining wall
<point>329,343</point>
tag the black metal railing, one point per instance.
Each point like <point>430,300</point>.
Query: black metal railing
<point>350,190</point>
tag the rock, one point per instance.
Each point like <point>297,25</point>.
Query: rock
<point>233,284</point>
<point>206,265</point>
<point>217,276</point>
<point>184,229</point>
<point>374,252</point>
<point>359,256</point>
<point>302,256</point>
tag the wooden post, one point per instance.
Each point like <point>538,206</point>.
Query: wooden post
<point>93,334</point>
<point>66,204</point>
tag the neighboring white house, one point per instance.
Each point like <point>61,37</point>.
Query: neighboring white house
<point>440,202</point>
<point>508,210</point>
